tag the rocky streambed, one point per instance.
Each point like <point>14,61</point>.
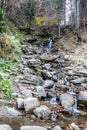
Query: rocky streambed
<point>50,91</point>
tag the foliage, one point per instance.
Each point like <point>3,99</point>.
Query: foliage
<point>9,44</point>
<point>52,21</point>
<point>29,9</point>
<point>38,20</point>
<point>5,65</point>
<point>6,86</point>
<point>2,22</point>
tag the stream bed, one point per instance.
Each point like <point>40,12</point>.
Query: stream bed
<point>49,90</point>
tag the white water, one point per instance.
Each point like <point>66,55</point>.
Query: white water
<point>49,47</point>
<point>50,44</point>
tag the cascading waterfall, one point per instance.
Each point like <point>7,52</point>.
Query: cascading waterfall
<point>49,47</point>
<point>75,104</point>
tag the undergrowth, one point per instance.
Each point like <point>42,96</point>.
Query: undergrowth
<point>10,52</point>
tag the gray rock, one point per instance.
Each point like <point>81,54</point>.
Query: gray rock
<point>34,62</point>
<point>32,128</point>
<point>42,112</point>
<point>33,117</point>
<point>46,66</point>
<point>27,93</point>
<point>67,100</point>
<point>48,127</point>
<point>83,97</point>
<point>34,79</point>
<point>13,112</point>
<point>74,126</point>
<point>41,91</point>
<point>83,71</point>
<point>78,80</point>
<point>27,71</point>
<point>54,78</point>
<point>48,83</point>
<point>30,104</point>
<point>20,103</point>
<point>56,128</point>
<point>46,74</point>
<point>5,127</point>
<point>48,58</point>
<point>14,95</point>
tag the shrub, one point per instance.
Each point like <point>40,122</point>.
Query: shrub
<point>2,22</point>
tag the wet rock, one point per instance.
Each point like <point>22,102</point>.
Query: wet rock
<point>32,128</point>
<point>5,127</point>
<point>34,62</point>
<point>83,97</point>
<point>42,112</point>
<point>67,100</point>
<point>56,128</point>
<point>74,126</point>
<point>78,80</point>
<point>20,103</point>
<point>41,91</point>
<point>30,104</point>
<point>27,93</point>
<point>46,74</point>
<point>48,84</point>
<point>48,58</point>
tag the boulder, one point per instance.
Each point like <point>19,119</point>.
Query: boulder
<point>34,62</point>
<point>83,97</point>
<point>41,91</point>
<point>46,74</point>
<point>74,126</point>
<point>67,100</point>
<point>5,127</point>
<point>20,103</point>
<point>48,58</point>
<point>34,79</point>
<point>46,66</point>
<point>56,128</point>
<point>32,128</point>
<point>42,112</point>
<point>78,80</point>
<point>13,112</point>
<point>30,104</point>
<point>48,84</point>
<point>27,93</point>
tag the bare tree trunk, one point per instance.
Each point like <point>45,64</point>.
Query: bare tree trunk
<point>65,14</point>
<point>78,18</point>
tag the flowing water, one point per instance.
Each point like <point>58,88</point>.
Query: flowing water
<point>49,46</point>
